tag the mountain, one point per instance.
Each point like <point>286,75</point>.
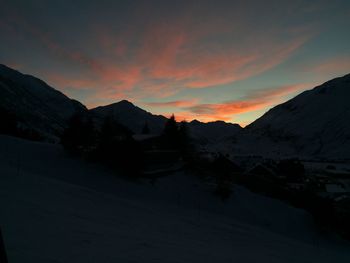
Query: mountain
<point>212,132</point>
<point>41,108</point>
<point>36,105</point>
<point>135,118</point>
<point>131,116</point>
<point>314,123</point>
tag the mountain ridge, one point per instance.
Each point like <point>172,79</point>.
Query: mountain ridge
<point>314,122</point>
<point>37,106</point>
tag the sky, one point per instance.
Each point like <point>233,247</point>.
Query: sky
<point>205,60</point>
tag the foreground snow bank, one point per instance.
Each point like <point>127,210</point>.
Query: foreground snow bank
<point>58,209</point>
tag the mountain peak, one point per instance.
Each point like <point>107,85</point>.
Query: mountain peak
<point>37,106</point>
<point>125,102</point>
<point>310,121</point>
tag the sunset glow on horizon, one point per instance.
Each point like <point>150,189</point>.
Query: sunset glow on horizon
<point>204,60</point>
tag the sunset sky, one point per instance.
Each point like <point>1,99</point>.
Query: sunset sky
<point>206,60</point>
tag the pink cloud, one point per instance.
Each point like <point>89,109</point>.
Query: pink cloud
<point>167,61</point>
<point>176,103</point>
<point>253,101</point>
<point>165,57</point>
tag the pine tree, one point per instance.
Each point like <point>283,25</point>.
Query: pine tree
<point>170,128</point>
<point>8,122</point>
<point>3,256</point>
<point>145,129</point>
<point>171,133</point>
<point>183,138</point>
<point>80,134</point>
<point>222,168</point>
<point>118,149</point>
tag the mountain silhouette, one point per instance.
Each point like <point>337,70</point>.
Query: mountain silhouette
<point>314,123</point>
<point>130,116</point>
<point>36,105</point>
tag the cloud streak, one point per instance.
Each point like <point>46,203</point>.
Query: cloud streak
<point>174,104</point>
<point>176,55</point>
<point>253,101</point>
<point>162,56</point>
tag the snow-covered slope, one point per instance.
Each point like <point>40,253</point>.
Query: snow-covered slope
<point>35,104</point>
<point>314,123</point>
<point>131,116</point>
<point>58,209</point>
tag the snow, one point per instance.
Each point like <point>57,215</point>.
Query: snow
<point>212,132</point>
<point>36,105</point>
<point>335,188</point>
<point>131,116</point>
<point>314,123</point>
<point>55,208</point>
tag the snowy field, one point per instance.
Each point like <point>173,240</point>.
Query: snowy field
<point>55,208</point>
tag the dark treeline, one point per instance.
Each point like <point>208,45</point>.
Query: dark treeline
<point>113,144</point>
<point>10,124</point>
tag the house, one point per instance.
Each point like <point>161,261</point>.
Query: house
<point>159,158</point>
<point>263,171</point>
<point>333,190</point>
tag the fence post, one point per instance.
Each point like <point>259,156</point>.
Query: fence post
<point>3,256</point>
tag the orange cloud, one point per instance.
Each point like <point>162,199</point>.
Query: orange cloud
<point>173,58</point>
<point>253,101</point>
<point>165,56</point>
<point>176,103</point>
<point>170,58</point>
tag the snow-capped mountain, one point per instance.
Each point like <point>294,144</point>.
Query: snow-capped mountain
<point>135,118</point>
<point>39,107</point>
<point>314,123</point>
<point>131,116</point>
<point>212,132</point>
<point>36,105</point>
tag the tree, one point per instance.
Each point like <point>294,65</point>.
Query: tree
<point>170,128</point>
<point>184,143</point>
<point>117,148</point>
<point>8,122</point>
<point>80,135</point>
<point>145,129</point>
<point>171,133</point>
<point>223,168</point>
<point>293,169</point>
<point>3,256</point>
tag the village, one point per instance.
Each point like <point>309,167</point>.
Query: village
<point>321,187</point>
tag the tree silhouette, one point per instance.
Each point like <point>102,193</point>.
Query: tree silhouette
<point>117,148</point>
<point>183,138</point>
<point>3,256</point>
<point>145,129</point>
<point>293,169</point>
<point>80,135</point>
<point>170,128</point>
<point>171,133</point>
<point>8,122</point>
<point>223,168</point>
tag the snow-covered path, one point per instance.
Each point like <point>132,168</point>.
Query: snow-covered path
<point>57,209</point>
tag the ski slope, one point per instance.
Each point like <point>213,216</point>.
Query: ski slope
<point>55,208</point>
